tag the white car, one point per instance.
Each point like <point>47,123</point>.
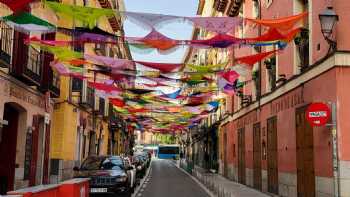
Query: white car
<point>131,172</point>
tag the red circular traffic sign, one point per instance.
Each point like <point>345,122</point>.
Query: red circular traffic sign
<point>317,114</point>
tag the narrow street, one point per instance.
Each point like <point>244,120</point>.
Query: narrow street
<point>166,180</point>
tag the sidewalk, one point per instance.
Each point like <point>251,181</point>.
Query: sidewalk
<point>221,186</point>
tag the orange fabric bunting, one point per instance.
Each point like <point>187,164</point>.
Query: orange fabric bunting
<point>284,23</point>
<point>253,59</point>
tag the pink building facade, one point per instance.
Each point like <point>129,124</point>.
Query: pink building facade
<point>267,143</point>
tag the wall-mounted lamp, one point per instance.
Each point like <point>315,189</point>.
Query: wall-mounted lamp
<point>328,19</point>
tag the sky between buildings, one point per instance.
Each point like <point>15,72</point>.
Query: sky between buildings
<point>176,30</point>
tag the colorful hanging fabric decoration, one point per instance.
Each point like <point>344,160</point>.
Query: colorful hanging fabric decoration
<point>218,41</point>
<point>16,5</point>
<point>273,36</point>
<point>163,67</point>
<point>253,59</point>
<point>104,87</point>
<point>230,76</point>
<point>26,23</point>
<point>173,95</point>
<point>159,41</point>
<point>284,24</point>
<point>149,20</point>
<point>61,53</point>
<point>220,25</point>
<point>206,68</point>
<point>108,61</point>
<point>87,15</point>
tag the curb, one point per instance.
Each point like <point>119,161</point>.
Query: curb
<point>196,180</point>
<point>137,190</point>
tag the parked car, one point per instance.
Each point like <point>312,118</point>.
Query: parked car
<point>108,175</point>
<point>131,173</point>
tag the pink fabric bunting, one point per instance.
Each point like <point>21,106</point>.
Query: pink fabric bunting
<point>163,67</point>
<point>221,25</point>
<point>109,61</point>
<point>231,76</point>
<point>104,87</point>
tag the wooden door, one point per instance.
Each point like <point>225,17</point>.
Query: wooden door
<point>257,156</point>
<point>241,156</point>
<point>225,154</point>
<point>46,155</point>
<point>272,157</point>
<point>34,155</point>
<point>305,155</point>
<point>8,143</point>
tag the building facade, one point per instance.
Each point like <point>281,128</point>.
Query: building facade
<point>266,143</point>
<point>28,88</point>
<point>83,121</point>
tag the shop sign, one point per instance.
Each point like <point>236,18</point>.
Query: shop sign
<point>318,114</point>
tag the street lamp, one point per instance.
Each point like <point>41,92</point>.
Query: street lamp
<point>328,19</point>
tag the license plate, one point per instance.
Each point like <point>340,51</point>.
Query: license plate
<point>98,190</point>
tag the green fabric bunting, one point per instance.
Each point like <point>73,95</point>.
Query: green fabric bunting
<point>61,53</point>
<point>26,23</point>
<point>87,15</point>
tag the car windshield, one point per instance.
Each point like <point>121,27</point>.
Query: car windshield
<point>102,163</point>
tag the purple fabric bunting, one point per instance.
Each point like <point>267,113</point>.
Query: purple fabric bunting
<point>221,25</point>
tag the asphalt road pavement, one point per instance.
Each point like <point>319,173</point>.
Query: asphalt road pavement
<point>166,180</point>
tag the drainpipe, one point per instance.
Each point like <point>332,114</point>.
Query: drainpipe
<point>336,170</point>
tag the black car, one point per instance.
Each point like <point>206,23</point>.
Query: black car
<point>107,173</point>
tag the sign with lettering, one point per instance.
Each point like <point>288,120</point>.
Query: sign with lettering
<point>317,114</point>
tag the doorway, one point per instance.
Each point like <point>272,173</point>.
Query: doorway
<point>272,157</point>
<point>225,154</point>
<point>8,143</point>
<point>305,155</point>
<point>257,182</point>
<point>241,156</point>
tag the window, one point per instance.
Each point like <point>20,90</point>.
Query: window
<point>268,3</point>
<point>34,61</point>
<point>86,2</point>
<point>6,35</point>
<point>256,8</point>
<point>55,80</point>
<point>271,71</point>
